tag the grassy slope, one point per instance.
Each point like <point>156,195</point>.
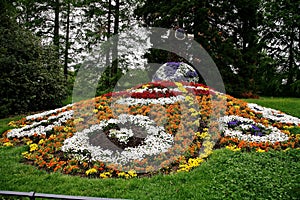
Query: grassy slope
<point>4,123</point>
<point>288,105</point>
<point>226,175</point>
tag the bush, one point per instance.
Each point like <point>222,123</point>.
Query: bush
<point>31,77</point>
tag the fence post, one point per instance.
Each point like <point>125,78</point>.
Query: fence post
<point>32,195</point>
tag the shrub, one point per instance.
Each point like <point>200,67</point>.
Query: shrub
<point>31,77</point>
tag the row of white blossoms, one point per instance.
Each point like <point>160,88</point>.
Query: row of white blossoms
<point>275,135</point>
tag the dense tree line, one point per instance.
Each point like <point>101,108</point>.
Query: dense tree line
<point>255,43</point>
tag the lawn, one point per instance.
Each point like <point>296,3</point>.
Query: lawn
<point>225,174</point>
<point>288,105</point>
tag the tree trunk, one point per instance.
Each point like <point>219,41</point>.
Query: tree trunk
<point>66,58</point>
<point>115,45</point>
<point>108,31</point>
<point>108,50</point>
<point>291,69</point>
<point>56,26</point>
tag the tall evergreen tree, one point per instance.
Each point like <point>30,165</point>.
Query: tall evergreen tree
<point>281,33</point>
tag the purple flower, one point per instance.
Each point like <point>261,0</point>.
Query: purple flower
<point>259,134</point>
<point>174,65</point>
<point>233,124</point>
<point>255,128</point>
<point>192,74</point>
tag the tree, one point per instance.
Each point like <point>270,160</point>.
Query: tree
<point>197,18</point>
<point>31,78</point>
<point>281,35</point>
<point>52,21</point>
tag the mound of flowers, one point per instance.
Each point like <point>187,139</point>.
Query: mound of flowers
<point>159,127</point>
<point>176,71</point>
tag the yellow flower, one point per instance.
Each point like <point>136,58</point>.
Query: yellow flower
<point>201,135</point>
<point>123,175</point>
<point>208,145</point>
<point>197,123</point>
<point>195,162</point>
<point>192,163</point>
<point>41,141</point>
<point>12,123</point>
<point>67,129</point>
<point>25,154</point>
<point>195,114</point>
<point>29,142</point>
<point>183,168</point>
<point>286,132</point>
<point>260,150</point>
<point>233,148</point>
<point>192,110</point>
<point>8,144</point>
<point>287,149</point>
<point>33,147</point>
<point>179,84</point>
<point>132,173</point>
<point>189,98</point>
<point>100,107</point>
<point>146,86</point>
<point>91,171</point>
<point>105,175</point>
<point>129,174</point>
<point>95,110</point>
<point>76,121</point>
<point>286,127</point>
<point>180,87</point>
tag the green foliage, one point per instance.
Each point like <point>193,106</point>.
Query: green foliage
<point>295,88</point>
<point>223,28</point>
<point>108,82</point>
<point>295,130</point>
<point>31,77</point>
<point>280,32</point>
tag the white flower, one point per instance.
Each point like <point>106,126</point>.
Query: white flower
<point>122,135</point>
<point>39,128</point>
<point>46,113</point>
<point>274,115</point>
<point>162,101</point>
<point>245,125</point>
<point>157,140</point>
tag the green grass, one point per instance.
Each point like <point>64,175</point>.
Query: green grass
<point>4,123</point>
<point>68,100</point>
<point>288,105</point>
<point>225,175</point>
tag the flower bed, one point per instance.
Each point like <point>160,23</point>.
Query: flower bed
<point>159,127</point>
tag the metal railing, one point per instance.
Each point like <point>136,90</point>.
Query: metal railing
<point>34,195</point>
